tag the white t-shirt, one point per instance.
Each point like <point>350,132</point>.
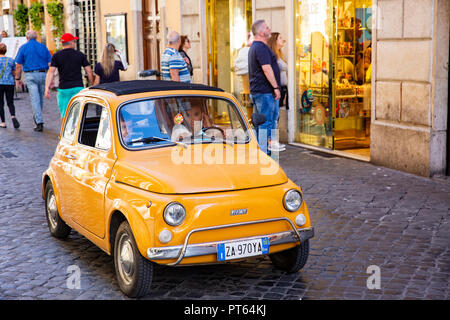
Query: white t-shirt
<point>283,72</point>
<point>241,62</point>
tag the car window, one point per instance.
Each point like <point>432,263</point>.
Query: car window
<point>71,122</point>
<point>104,132</point>
<point>95,130</point>
<point>165,121</point>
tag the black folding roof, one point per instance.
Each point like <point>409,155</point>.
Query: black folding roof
<point>140,86</point>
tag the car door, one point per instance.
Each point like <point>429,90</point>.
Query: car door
<point>63,160</point>
<point>95,158</point>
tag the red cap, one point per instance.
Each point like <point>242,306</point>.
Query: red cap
<point>67,37</point>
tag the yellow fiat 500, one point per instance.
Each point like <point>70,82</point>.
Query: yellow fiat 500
<point>164,172</point>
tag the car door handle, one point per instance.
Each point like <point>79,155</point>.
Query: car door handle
<point>70,157</point>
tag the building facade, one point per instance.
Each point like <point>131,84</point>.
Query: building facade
<point>377,69</point>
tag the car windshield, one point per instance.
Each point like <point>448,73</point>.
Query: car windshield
<point>181,120</point>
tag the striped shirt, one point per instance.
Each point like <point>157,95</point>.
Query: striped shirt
<point>171,59</point>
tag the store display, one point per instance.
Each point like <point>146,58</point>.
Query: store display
<point>333,52</point>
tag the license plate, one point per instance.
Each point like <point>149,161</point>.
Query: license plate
<point>242,249</point>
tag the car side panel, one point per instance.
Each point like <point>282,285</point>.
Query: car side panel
<point>133,203</point>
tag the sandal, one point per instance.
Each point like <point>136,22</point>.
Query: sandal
<point>15,122</point>
<point>3,126</point>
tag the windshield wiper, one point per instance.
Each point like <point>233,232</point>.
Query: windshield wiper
<point>156,139</point>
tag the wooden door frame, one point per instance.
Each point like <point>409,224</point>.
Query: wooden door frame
<point>152,55</point>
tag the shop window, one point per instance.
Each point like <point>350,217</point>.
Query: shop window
<point>333,73</point>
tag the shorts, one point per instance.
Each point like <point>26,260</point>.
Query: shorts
<point>64,96</point>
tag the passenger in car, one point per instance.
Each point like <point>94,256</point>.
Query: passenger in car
<point>125,128</point>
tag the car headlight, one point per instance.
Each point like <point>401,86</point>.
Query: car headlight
<point>174,214</point>
<point>292,200</point>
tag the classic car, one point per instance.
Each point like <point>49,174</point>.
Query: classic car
<point>159,172</point>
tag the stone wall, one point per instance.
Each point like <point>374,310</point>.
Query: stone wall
<point>409,118</point>
<point>191,26</point>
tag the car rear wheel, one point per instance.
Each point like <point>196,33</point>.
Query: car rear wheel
<point>291,260</point>
<point>58,228</point>
<point>134,272</point>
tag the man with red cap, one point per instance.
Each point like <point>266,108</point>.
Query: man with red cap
<point>69,63</point>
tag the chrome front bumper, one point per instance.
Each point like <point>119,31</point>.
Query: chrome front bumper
<point>201,249</point>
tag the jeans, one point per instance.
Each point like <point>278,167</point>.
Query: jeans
<point>266,104</point>
<point>35,82</point>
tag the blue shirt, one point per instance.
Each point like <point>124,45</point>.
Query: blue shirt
<point>33,55</point>
<point>7,77</point>
<point>172,59</point>
<point>258,55</point>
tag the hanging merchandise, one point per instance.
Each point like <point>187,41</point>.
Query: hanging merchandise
<point>319,114</point>
<point>178,119</point>
<point>307,101</point>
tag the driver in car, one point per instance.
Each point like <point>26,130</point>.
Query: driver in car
<point>196,118</point>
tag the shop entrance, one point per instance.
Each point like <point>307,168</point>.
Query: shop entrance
<point>333,74</point>
<point>228,24</point>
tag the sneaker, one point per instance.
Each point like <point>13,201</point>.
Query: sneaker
<point>276,147</point>
<point>281,145</point>
<point>39,127</point>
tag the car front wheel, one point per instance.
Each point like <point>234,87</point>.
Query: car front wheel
<point>134,272</point>
<point>58,228</point>
<point>291,260</point>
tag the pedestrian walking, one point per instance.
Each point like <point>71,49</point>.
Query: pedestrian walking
<point>69,63</point>
<point>264,77</point>
<point>7,74</point>
<point>173,66</point>
<point>107,70</point>
<point>185,45</point>
<point>34,59</point>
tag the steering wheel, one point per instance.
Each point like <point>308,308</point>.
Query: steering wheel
<point>214,128</point>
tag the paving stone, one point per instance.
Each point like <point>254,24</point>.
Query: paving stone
<point>364,215</point>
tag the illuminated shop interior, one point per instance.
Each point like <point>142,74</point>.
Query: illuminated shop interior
<point>228,24</point>
<point>333,63</point>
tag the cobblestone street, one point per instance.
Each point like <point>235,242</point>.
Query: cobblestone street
<point>363,216</point>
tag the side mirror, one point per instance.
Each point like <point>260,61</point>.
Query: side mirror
<point>258,119</point>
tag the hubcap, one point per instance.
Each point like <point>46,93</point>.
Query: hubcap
<point>126,259</point>
<point>52,210</point>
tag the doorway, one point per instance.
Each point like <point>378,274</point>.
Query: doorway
<point>333,74</point>
<point>87,29</point>
<point>228,24</point>
<point>151,34</point>
<point>448,123</point>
